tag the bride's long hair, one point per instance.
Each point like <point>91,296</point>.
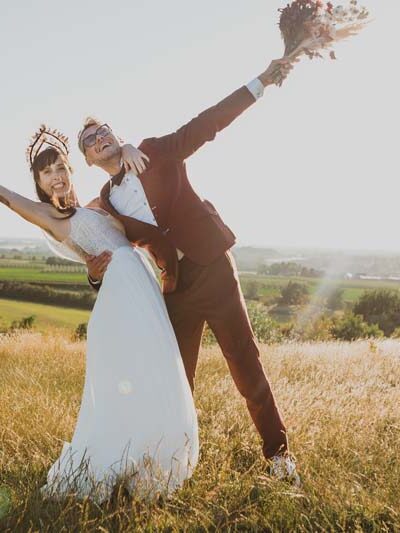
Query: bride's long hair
<point>65,205</point>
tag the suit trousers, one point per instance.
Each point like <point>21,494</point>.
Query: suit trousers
<point>212,294</point>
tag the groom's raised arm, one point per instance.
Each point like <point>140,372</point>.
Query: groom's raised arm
<point>189,138</point>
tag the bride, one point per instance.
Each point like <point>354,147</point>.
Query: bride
<point>137,421</point>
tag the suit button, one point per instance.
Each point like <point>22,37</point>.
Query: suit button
<point>166,231</point>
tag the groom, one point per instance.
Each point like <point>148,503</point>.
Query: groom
<point>191,245</point>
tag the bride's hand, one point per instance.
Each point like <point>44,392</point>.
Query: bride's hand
<point>134,159</point>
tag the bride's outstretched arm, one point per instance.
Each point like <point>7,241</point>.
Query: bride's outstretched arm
<point>37,213</point>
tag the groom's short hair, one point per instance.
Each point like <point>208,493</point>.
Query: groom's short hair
<point>89,122</point>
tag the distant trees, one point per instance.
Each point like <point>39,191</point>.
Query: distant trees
<point>289,269</point>
<point>59,261</point>
<point>380,307</point>
<point>84,299</point>
<point>376,314</point>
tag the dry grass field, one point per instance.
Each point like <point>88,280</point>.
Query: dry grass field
<point>341,404</point>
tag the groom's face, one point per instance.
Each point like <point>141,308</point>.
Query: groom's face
<point>105,147</point>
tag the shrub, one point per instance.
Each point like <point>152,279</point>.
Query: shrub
<point>380,307</point>
<point>251,290</point>
<point>351,327</point>
<point>81,332</point>
<point>294,293</point>
<point>265,328</point>
<point>24,323</point>
<point>316,330</point>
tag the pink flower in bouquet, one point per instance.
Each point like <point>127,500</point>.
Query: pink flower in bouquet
<point>311,26</point>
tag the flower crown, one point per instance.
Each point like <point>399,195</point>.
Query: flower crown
<point>45,137</point>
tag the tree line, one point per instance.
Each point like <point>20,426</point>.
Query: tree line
<point>28,292</point>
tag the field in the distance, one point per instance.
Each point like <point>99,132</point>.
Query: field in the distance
<point>59,277</point>
<point>45,315</point>
<point>340,402</point>
<point>352,289</point>
<point>269,285</point>
<point>29,274</point>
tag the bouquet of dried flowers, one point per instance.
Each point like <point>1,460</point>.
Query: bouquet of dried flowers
<point>312,26</point>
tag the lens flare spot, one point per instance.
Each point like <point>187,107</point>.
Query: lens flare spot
<point>125,387</point>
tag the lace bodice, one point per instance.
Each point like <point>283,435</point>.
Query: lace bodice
<point>92,232</point>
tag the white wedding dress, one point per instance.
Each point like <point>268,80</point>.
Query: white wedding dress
<point>137,417</point>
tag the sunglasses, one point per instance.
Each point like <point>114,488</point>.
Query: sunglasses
<point>101,131</point>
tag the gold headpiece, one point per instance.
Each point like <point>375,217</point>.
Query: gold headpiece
<point>45,137</point>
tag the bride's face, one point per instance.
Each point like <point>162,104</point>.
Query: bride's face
<point>55,178</point>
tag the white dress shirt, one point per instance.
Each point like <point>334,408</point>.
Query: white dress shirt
<point>129,197</point>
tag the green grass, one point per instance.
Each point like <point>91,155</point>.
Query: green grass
<point>32,274</point>
<point>45,315</point>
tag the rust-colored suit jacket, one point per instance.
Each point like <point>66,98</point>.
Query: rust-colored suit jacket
<point>185,221</point>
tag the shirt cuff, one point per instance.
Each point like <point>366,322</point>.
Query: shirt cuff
<point>256,88</point>
<point>95,282</point>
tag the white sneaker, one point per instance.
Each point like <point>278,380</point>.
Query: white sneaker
<point>283,468</point>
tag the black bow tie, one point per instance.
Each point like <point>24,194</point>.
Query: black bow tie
<point>116,180</point>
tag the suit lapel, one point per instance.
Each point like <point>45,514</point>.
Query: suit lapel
<point>137,227</point>
<point>105,199</point>
<point>159,191</point>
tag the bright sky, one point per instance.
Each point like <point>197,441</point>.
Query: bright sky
<point>314,163</point>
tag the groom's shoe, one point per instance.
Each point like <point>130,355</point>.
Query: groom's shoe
<point>283,468</point>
